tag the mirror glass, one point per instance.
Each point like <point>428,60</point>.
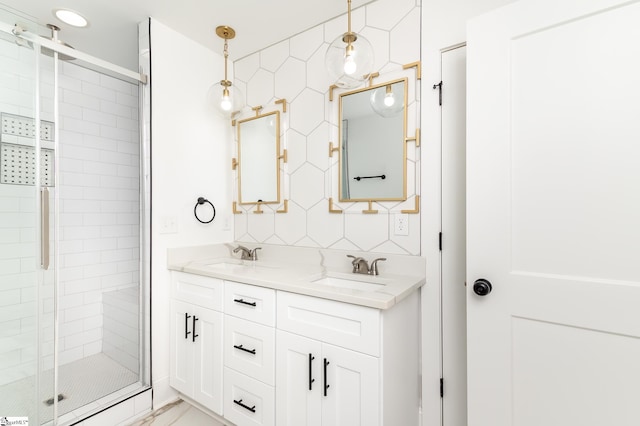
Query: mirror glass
<point>372,143</point>
<point>258,163</point>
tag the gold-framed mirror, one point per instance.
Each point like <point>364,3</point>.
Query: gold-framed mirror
<point>258,160</point>
<point>372,143</point>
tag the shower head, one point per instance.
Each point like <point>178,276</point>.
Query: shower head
<point>54,37</point>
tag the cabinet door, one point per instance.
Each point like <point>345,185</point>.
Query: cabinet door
<point>298,380</point>
<point>181,358</point>
<point>352,382</point>
<point>208,359</point>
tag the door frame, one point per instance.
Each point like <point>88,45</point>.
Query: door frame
<point>453,227</point>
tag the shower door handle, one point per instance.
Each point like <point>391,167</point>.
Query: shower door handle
<point>44,228</point>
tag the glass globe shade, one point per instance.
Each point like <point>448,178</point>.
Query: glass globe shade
<point>387,103</point>
<point>225,102</point>
<point>349,67</point>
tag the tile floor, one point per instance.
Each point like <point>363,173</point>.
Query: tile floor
<point>178,413</point>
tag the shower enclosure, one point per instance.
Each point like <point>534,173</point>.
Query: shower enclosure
<point>73,231</point>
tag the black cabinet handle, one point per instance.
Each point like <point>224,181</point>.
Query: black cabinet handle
<point>326,385</point>
<point>244,302</point>
<point>186,325</point>
<point>311,379</point>
<point>251,351</point>
<point>246,407</point>
<point>195,318</point>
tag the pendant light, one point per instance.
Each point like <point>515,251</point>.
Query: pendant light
<point>228,101</point>
<point>349,59</point>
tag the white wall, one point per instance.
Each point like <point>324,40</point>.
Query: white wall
<point>190,158</point>
<point>444,25</point>
<point>294,70</point>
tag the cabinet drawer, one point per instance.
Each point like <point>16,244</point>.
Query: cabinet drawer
<point>249,348</point>
<point>248,402</point>
<point>350,326</point>
<point>197,289</point>
<point>250,302</point>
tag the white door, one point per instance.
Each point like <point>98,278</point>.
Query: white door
<point>351,388</point>
<point>553,211</point>
<point>298,380</point>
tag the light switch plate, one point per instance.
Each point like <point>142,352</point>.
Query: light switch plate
<point>169,225</point>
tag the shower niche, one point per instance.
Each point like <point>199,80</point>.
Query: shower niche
<point>18,153</point>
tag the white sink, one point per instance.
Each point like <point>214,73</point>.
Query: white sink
<point>350,284</point>
<point>239,266</point>
<point>226,266</point>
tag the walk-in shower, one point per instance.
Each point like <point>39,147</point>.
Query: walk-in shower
<point>73,230</point>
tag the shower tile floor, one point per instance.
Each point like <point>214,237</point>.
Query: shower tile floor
<point>80,382</point>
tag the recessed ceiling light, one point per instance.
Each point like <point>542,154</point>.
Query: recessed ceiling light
<point>70,17</point>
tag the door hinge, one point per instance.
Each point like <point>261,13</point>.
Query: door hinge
<point>439,87</point>
<point>441,387</point>
<point>440,241</point>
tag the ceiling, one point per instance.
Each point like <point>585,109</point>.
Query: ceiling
<point>112,31</point>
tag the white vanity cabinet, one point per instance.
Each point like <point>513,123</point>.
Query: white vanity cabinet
<point>196,338</point>
<point>343,364</point>
<point>266,357</point>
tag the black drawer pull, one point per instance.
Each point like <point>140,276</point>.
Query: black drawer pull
<point>311,379</point>
<point>239,402</point>
<point>186,325</point>
<point>244,302</point>
<point>326,385</point>
<point>194,335</point>
<point>251,351</point>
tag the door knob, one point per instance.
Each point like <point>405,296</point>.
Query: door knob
<point>482,287</point>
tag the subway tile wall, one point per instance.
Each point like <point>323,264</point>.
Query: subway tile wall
<point>294,69</point>
<point>99,211</point>
<point>98,203</point>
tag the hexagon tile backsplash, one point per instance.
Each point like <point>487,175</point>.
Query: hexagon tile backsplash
<point>294,70</point>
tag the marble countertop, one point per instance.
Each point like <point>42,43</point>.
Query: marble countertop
<point>311,274</point>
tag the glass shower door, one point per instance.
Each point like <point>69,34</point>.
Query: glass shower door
<point>26,288</point>
<point>71,224</point>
